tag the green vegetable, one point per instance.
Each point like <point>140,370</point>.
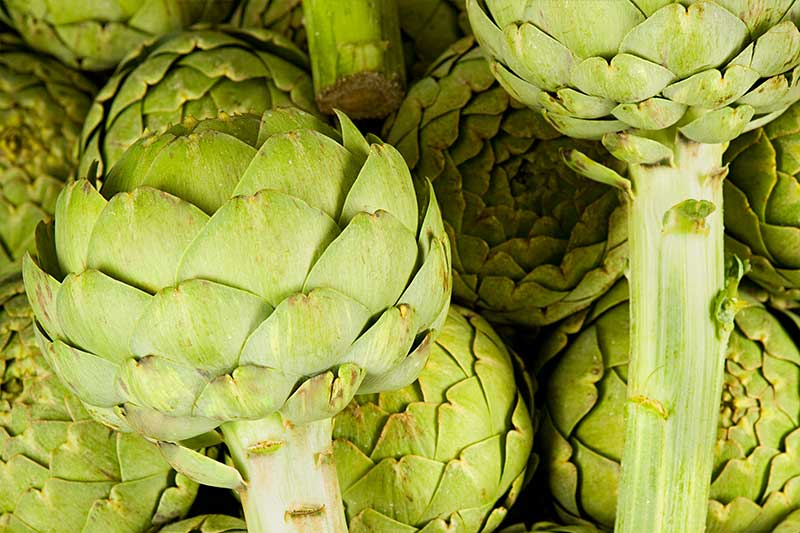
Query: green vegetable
<point>60,471</point>
<point>97,35</point>
<point>282,16</point>
<point>429,28</point>
<point>207,524</point>
<point>356,56</point>
<point>762,205</point>
<point>756,474</point>
<point>533,242</point>
<point>42,108</point>
<point>549,527</point>
<point>195,74</point>
<point>665,85</point>
<point>248,275</point>
<point>790,525</point>
<point>447,453</point>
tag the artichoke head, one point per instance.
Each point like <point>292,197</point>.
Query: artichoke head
<point>207,524</point>
<point>238,267</point>
<point>710,69</point>
<point>756,475</point>
<point>533,241</point>
<point>60,471</point>
<point>281,16</point>
<point>762,204</point>
<point>447,453</point>
<point>97,35</point>
<point>42,108</point>
<point>198,74</point>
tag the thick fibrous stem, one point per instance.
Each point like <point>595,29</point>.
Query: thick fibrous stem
<point>356,56</point>
<point>290,475</point>
<point>677,275</point>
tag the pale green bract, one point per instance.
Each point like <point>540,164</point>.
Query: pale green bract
<point>207,524</point>
<point>60,471</point>
<point>733,69</point>
<point>199,74</point>
<point>449,452</point>
<point>97,35</point>
<point>756,475</point>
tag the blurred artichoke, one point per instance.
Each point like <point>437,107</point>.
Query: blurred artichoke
<point>193,74</point>
<point>244,273</point>
<point>207,524</point>
<point>762,204</point>
<point>42,108</point>
<point>448,452</point>
<point>430,26</point>
<point>790,525</point>
<point>61,472</point>
<point>97,35</point>
<point>756,475</point>
<point>549,527</point>
<point>282,16</point>
<point>533,242</point>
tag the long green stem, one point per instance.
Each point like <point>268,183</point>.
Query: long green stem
<point>356,56</point>
<point>290,475</point>
<point>677,274</point>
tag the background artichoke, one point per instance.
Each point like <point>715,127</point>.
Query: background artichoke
<point>195,74</point>
<point>97,35</point>
<point>756,480</point>
<point>42,107</point>
<point>762,215</point>
<point>231,257</point>
<point>60,471</point>
<point>282,16</point>
<point>448,452</point>
<point>207,524</point>
<point>532,241</point>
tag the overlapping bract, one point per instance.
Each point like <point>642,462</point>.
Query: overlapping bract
<point>234,267</point>
<point>710,68</point>
<point>532,241</point>
<point>756,475</point>
<point>282,16</point>
<point>549,527</point>
<point>97,35</point>
<point>195,74</point>
<point>207,524</point>
<point>429,27</point>
<point>42,108</point>
<point>60,471</point>
<point>762,205</point>
<point>447,453</point>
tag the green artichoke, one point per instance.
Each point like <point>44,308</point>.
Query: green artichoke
<point>549,527</point>
<point>97,35</point>
<point>447,453</point>
<point>249,274</point>
<point>429,28</point>
<point>207,524</point>
<point>282,16</point>
<point>533,242</point>
<point>42,108</point>
<point>60,471</point>
<point>731,69</point>
<point>762,215</point>
<point>790,525</point>
<point>193,74</point>
<point>756,475</point>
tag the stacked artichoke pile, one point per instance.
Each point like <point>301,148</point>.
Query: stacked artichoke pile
<point>225,303</point>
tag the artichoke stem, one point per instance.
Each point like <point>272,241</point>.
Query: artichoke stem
<point>291,483</point>
<point>356,56</point>
<point>677,274</point>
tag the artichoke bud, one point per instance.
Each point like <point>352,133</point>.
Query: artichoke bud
<point>236,267</point>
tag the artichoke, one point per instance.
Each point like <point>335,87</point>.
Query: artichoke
<point>97,35</point>
<point>790,525</point>
<point>429,28</point>
<point>447,453</point>
<point>549,527</point>
<point>42,107</point>
<point>207,524</point>
<point>60,471</point>
<point>250,275</point>
<point>756,475</point>
<point>192,74</point>
<point>533,242</point>
<point>282,16</point>
<point>762,217</point>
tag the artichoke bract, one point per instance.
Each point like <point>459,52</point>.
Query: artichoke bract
<point>756,480</point>
<point>532,240</point>
<point>97,35</point>
<point>250,275</point>
<point>449,452</point>
<point>665,85</point>
<point>42,108</point>
<point>429,28</point>
<point>762,215</point>
<point>61,471</point>
<point>282,16</point>
<point>207,524</point>
<point>197,74</point>
<point>549,527</point>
